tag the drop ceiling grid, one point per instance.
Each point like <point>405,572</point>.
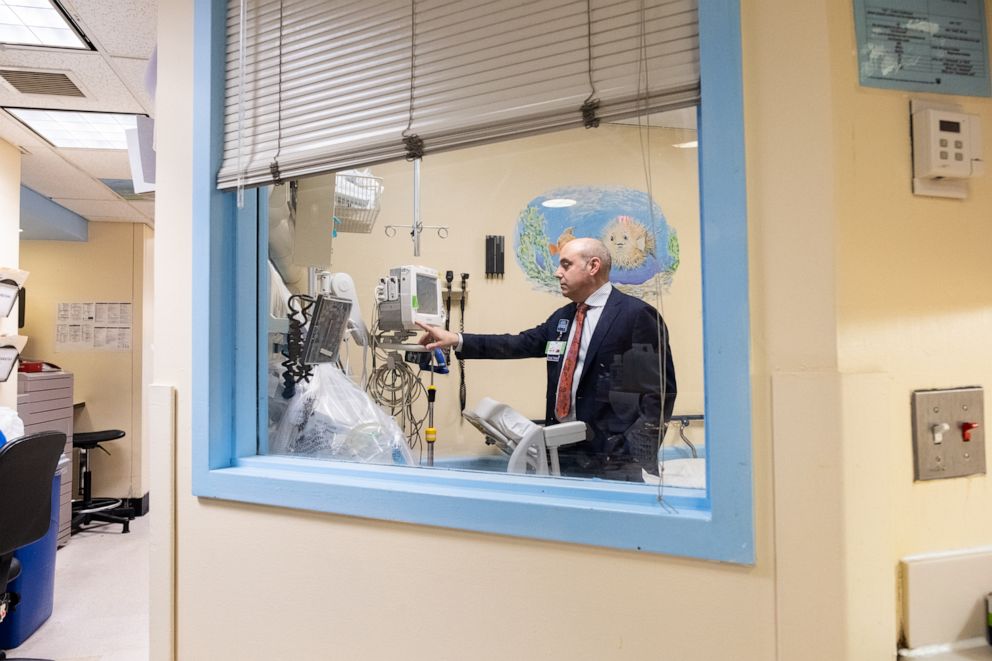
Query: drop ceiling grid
<point>113,79</point>
<point>103,88</point>
<point>15,133</point>
<point>132,74</point>
<point>49,175</point>
<point>94,209</point>
<point>45,171</point>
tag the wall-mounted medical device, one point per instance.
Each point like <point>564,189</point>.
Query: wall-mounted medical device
<point>409,294</point>
<point>341,285</point>
<point>9,293</point>
<point>11,347</point>
<point>328,324</point>
<point>947,149</point>
<point>11,286</point>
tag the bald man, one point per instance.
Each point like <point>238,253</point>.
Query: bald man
<point>603,362</point>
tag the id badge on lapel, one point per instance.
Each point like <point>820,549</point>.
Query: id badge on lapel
<point>554,351</point>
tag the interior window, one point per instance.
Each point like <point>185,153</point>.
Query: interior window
<point>486,242</point>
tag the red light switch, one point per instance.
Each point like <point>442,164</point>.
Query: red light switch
<point>966,428</point>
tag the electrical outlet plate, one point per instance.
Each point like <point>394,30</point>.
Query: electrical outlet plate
<point>940,452</point>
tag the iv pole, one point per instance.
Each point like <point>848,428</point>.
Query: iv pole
<point>418,227</point>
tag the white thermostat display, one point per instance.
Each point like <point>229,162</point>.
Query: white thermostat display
<point>947,150</point>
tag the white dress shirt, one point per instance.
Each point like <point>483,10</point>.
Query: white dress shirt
<point>596,301</point>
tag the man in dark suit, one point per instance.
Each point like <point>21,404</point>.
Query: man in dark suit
<point>611,377</point>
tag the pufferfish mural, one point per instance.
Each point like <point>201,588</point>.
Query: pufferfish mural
<point>645,249</point>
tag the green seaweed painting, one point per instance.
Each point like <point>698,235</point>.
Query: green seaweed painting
<point>532,252</point>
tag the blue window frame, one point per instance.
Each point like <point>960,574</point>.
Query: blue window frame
<point>226,397</point>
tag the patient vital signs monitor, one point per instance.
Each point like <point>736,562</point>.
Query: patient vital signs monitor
<point>407,295</point>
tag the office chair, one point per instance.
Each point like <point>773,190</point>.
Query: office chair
<point>89,509</point>
<point>27,468</point>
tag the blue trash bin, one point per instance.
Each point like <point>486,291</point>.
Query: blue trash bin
<point>36,584</point>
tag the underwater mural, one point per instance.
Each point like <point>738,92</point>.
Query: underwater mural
<point>645,249</point>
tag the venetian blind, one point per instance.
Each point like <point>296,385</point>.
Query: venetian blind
<point>326,86</point>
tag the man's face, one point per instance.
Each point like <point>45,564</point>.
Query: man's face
<point>575,274</point>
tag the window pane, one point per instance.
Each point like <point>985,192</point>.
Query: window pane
<point>633,186</point>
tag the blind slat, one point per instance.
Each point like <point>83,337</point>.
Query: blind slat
<point>484,71</point>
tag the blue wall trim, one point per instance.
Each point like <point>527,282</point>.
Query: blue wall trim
<point>225,393</point>
<point>44,220</point>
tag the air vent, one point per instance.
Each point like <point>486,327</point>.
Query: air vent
<point>40,82</point>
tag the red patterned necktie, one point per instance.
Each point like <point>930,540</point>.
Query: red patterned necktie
<point>564,401</point>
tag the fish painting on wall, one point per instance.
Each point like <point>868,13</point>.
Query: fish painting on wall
<point>644,248</point>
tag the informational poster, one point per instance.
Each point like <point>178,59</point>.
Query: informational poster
<point>924,45</point>
<point>93,327</point>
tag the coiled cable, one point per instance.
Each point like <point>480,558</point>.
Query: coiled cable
<point>294,370</point>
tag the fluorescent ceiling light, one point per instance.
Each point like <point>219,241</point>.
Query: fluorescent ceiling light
<point>558,202</point>
<point>37,23</point>
<point>77,130</point>
<point>692,144</point>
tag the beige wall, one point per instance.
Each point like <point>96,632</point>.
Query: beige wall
<point>914,290</point>
<point>10,224</point>
<point>106,267</point>
<point>846,318</point>
<point>482,191</point>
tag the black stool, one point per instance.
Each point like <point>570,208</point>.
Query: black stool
<point>89,509</point>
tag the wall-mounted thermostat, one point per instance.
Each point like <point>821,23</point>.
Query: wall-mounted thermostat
<point>947,149</point>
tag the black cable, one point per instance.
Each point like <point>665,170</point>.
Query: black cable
<point>591,104</point>
<point>462,390</point>
<point>274,165</point>
<point>413,142</point>
<point>449,276</point>
<point>294,370</point>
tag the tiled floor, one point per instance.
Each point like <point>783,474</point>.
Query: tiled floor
<point>101,599</point>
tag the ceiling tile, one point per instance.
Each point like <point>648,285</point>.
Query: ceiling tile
<point>118,27</point>
<point>104,89</point>
<point>100,163</point>
<point>146,208</point>
<point>49,175</point>
<point>98,210</point>
<point>132,72</point>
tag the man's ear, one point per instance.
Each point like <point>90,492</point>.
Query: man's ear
<point>595,265</point>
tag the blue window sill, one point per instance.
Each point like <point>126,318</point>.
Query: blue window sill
<point>594,512</point>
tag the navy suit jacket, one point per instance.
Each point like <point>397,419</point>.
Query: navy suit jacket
<point>619,395</point>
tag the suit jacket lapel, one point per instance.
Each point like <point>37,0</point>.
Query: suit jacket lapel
<point>610,312</point>
<point>567,313</point>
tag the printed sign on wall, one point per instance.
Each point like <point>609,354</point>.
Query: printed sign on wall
<point>93,327</point>
<point>923,45</point>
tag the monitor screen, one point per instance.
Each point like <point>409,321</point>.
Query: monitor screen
<point>410,294</point>
<point>426,294</point>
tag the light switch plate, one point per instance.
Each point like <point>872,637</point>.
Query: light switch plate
<point>939,448</point>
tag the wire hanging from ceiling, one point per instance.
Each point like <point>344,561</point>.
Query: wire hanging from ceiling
<point>241,103</point>
<point>591,104</point>
<point>274,165</point>
<point>644,135</point>
<point>414,144</point>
